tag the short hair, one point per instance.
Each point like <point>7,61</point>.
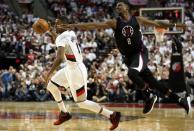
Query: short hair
<point>124,1</point>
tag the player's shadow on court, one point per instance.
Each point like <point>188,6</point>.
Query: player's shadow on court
<point>98,117</point>
<point>130,118</point>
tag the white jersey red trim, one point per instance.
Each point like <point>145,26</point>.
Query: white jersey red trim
<point>68,40</point>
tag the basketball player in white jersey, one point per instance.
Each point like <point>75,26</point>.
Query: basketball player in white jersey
<point>73,75</point>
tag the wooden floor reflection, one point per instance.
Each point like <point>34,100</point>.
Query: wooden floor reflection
<point>34,116</point>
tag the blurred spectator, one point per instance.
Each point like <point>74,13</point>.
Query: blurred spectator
<point>7,78</point>
<point>20,93</point>
<point>121,91</point>
<point>91,87</point>
<point>100,95</point>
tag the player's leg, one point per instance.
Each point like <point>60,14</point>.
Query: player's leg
<point>78,89</point>
<point>135,65</point>
<point>184,102</point>
<point>57,81</point>
<point>53,89</point>
<point>82,102</point>
<point>149,100</point>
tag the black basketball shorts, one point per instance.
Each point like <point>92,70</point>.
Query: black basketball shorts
<point>137,61</point>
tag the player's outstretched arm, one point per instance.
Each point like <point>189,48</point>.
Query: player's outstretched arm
<point>60,27</point>
<point>177,25</point>
<point>144,21</point>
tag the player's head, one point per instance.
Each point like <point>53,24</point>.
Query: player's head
<point>122,6</point>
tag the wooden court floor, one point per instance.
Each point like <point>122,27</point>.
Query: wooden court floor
<point>39,116</point>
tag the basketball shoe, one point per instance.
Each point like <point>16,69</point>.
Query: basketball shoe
<point>63,116</point>
<point>185,103</point>
<point>115,119</point>
<point>149,104</point>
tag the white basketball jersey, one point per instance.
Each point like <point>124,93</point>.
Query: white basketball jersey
<point>68,40</point>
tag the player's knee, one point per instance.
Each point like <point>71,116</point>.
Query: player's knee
<point>80,104</point>
<point>51,87</point>
<point>135,77</point>
<point>132,72</point>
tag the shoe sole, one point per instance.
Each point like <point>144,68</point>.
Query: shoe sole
<point>152,105</point>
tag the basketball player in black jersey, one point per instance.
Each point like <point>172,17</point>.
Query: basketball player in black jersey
<point>135,55</point>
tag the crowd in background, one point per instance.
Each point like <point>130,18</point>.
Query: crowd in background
<point>108,79</point>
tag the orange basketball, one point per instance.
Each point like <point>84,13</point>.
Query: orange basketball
<point>40,26</point>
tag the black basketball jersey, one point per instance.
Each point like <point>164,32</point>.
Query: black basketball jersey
<point>128,36</point>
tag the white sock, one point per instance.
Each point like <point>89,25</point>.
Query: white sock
<point>106,112</point>
<point>61,106</point>
<point>92,106</point>
<point>57,96</point>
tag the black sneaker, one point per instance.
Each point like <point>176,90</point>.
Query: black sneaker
<point>149,104</point>
<point>185,103</point>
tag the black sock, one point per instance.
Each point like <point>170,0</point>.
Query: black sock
<point>174,97</point>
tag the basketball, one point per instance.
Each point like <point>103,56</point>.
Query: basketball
<point>40,26</point>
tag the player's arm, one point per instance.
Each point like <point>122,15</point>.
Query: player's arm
<point>59,59</point>
<point>56,63</point>
<point>86,26</point>
<point>144,21</point>
<point>177,25</point>
<point>52,33</point>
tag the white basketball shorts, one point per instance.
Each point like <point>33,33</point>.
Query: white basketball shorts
<point>73,75</point>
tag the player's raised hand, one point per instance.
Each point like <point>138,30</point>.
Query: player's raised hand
<point>51,27</point>
<point>52,32</point>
